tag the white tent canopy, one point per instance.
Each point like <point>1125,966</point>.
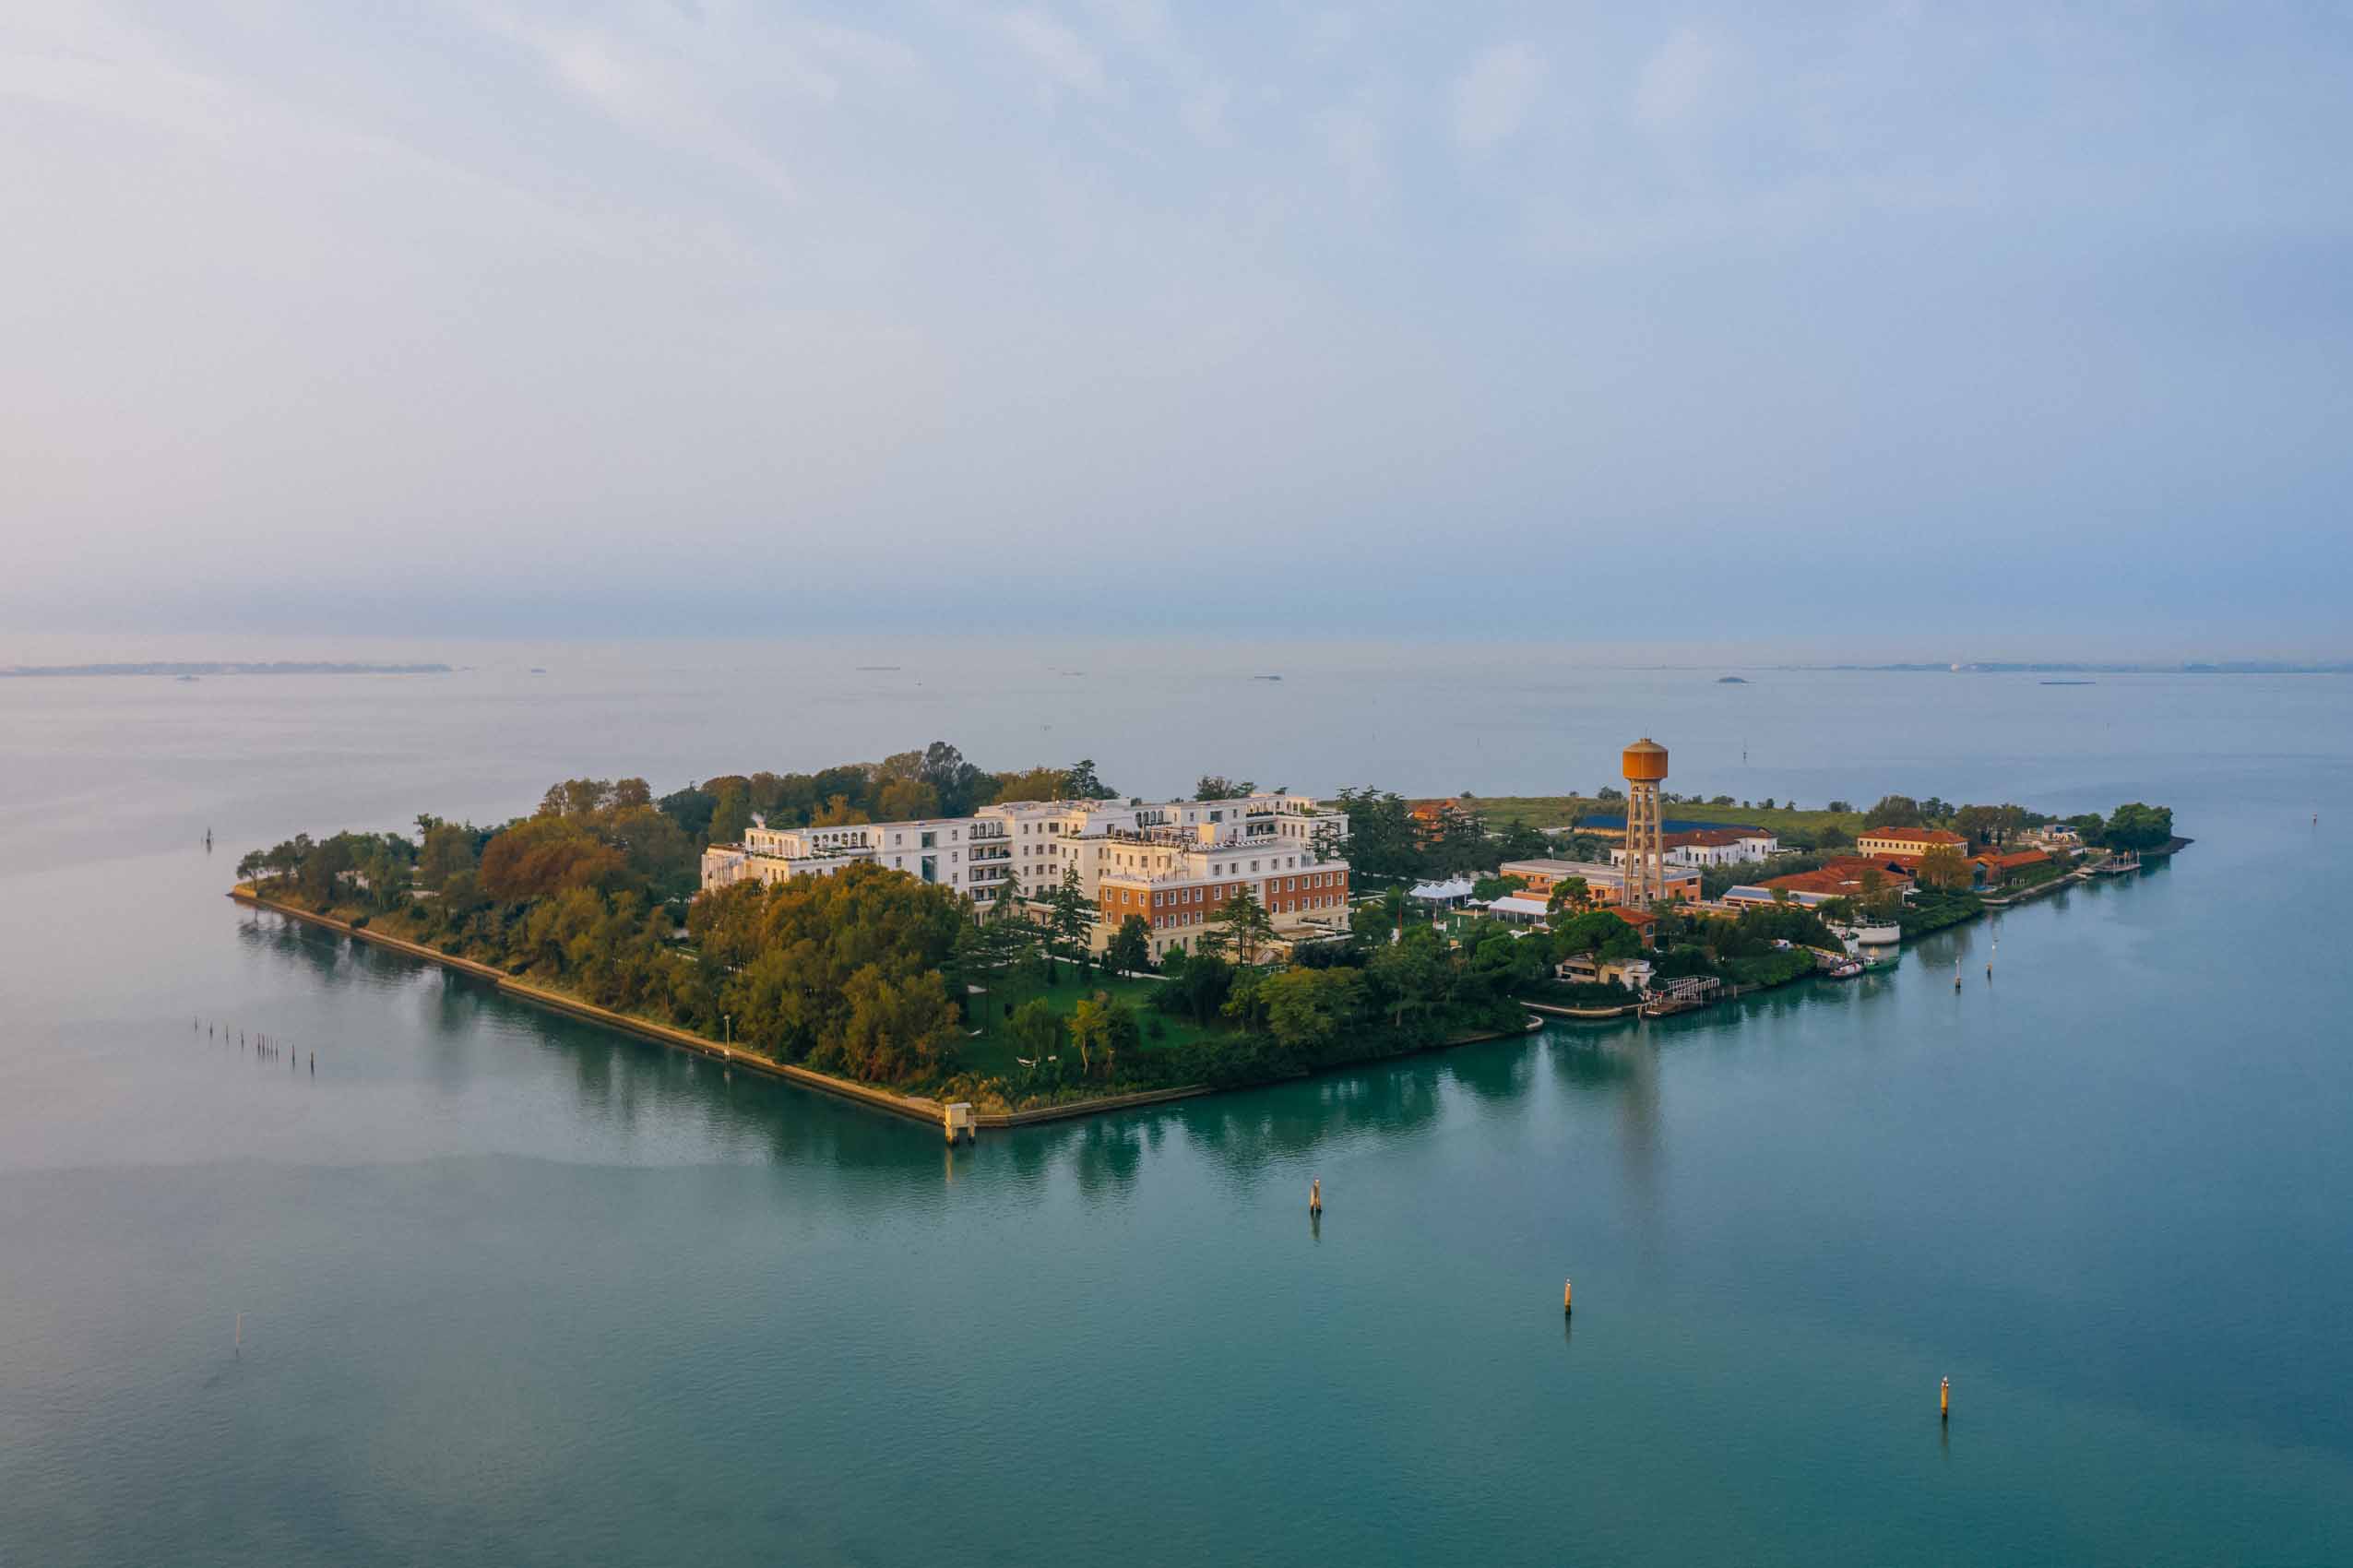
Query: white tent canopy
<point>1442,891</point>
<point>1518,904</point>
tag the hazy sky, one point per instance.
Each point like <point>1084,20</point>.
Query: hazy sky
<point>1118,315</point>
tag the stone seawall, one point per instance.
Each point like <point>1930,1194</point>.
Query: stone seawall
<point>913,1107</point>
<point>910,1106</point>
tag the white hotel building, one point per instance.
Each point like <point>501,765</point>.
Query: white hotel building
<point>1171,862</point>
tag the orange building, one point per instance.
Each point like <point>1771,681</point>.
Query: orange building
<point>1999,868</point>
<point>1432,818</point>
<point>1909,843</point>
<point>1179,904</point>
<point>1645,923</point>
<point>1843,878</point>
<point>1606,885</point>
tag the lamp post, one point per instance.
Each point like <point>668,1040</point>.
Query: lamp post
<point>728,1021</point>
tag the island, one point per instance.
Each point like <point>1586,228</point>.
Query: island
<point>187,671</point>
<point>922,933</point>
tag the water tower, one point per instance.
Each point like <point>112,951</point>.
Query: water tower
<point>1646,854</point>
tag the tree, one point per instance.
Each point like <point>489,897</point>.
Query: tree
<point>838,812</point>
<point>579,797</point>
<point>1518,841</point>
<point>909,800</point>
<point>1569,893</point>
<point>1982,824</point>
<point>2138,826</point>
<point>1308,1011</point>
<point>1069,916</point>
<point>1894,811</point>
<point>543,855</point>
<point>893,1029</point>
<point>732,816</point>
<point>1502,963</point>
<point>1037,1030</point>
<point>1460,842</point>
<point>1370,924</point>
<point>445,850</point>
<point>691,809</point>
<point>1328,840</point>
<point>661,857</point>
<point>1609,793</point>
<point>1217,786</point>
<point>1943,867</point>
<point>786,957</point>
<point>1196,986</point>
<point>1081,784</point>
<point>1030,784</point>
<point>1245,921</point>
<point>958,785</point>
<point>1381,842</point>
<point>1085,1022</point>
<point>1408,980</point>
<point>1130,951</point>
<point>990,950</point>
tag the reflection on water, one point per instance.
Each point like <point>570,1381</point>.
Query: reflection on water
<point>533,1291</point>
<point>470,1030</point>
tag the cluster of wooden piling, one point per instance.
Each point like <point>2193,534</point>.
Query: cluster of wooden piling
<point>266,1048</point>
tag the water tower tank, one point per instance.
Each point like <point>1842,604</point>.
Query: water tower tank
<point>1646,762</point>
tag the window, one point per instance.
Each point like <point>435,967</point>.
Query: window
<point>931,840</point>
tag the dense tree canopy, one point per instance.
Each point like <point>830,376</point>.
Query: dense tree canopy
<point>2138,826</point>
<point>1895,811</point>
<point>546,855</point>
<point>842,972</point>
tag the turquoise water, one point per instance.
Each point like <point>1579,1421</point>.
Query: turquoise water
<point>517,1291</point>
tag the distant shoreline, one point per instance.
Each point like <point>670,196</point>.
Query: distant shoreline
<point>1997,667</point>
<point>280,667</point>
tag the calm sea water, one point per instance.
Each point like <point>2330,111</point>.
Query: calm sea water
<point>516,1291</point>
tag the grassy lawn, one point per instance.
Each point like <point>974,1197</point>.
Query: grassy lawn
<point>1555,811</point>
<point>991,1051</point>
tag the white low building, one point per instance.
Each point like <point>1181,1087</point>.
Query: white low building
<point>1702,849</point>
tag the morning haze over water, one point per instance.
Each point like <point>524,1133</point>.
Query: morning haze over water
<point>519,1289</point>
